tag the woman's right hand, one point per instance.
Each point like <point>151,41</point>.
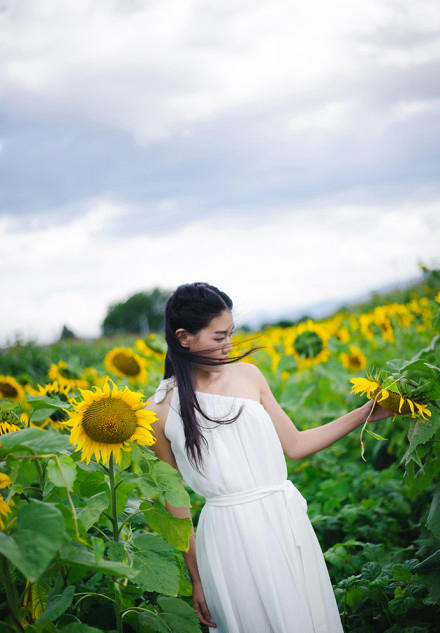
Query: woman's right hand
<point>199,604</point>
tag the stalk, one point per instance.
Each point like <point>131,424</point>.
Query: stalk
<point>114,518</point>
<point>11,594</point>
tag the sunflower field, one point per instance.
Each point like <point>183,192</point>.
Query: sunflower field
<point>86,543</point>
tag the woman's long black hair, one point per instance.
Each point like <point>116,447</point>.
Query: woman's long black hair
<point>192,307</point>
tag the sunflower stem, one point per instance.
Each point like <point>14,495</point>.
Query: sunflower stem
<point>114,517</point>
<point>111,474</point>
<point>11,593</point>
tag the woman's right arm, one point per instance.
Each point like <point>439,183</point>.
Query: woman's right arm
<point>162,450</point>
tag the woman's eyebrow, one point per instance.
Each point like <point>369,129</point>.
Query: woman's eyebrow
<point>223,331</point>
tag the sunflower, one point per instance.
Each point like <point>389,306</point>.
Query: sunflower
<point>7,427</point>
<point>343,335</point>
<point>93,377</point>
<point>66,377</point>
<point>58,418</point>
<point>309,344</point>
<point>391,400</point>
<point>355,359</point>
<point>11,389</point>
<point>8,421</point>
<point>125,363</point>
<point>153,345</point>
<point>4,507</point>
<point>107,419</point>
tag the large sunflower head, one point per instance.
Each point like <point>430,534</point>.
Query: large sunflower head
<point>309,344</point>
<point>390,397</point>
<point>125,363</point>
<point>106,419</point>
<point>11,389</point>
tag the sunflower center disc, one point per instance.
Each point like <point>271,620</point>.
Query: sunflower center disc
<point>308,344</point>
<point>354,362</point>
<point>110,421</point>
<point>126,364</point>
<point>7,390</point>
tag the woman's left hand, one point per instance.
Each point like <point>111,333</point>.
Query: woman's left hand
<point>376,413</point>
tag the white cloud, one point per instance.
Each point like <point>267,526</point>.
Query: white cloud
<point>71,274</point>
<point>151,70</point>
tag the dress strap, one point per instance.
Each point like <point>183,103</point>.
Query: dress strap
<point>164,387</point>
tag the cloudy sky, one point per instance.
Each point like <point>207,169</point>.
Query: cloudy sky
<point>287,152</point>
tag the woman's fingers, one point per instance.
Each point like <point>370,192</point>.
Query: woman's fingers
<point>203,613</point>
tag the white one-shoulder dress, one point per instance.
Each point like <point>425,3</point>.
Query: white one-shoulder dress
<point>260,563</point>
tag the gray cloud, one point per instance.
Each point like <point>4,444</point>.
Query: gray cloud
<point>174,143</point>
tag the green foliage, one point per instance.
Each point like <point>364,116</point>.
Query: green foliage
<point>141,313</point>
<point>82,552</point>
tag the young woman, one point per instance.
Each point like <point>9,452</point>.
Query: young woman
<point>256,565</point>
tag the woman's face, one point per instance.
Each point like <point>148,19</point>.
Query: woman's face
<point>215,340</point>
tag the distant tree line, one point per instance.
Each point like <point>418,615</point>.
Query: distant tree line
<point>141,313</point>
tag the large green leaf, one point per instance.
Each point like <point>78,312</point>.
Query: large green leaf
<point>421,431</point>
<point>39,536</point>
<point>93,509</point>
<point>88,483</point>
<point>57,605</point>
<point>68,468</point>
<point>168,480</point>
<point>81,557</point>
<point>176,531</point>
<point>38,440</point>
<point>155,560</point>
<point>40,402</point>
<point>147,622</point>
<point>179,616</point>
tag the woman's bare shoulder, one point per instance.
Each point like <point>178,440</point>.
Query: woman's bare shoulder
<point>162,446</point>
<point>161,409</point>
<point>248,378</point>
<point>246,370</point>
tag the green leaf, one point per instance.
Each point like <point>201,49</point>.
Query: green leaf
<point>147,622</point>
<point>79,627</point>
<point>88,484</point>
<point>68,468</point>
<point>401,573</point>
<point>82,557</point>
<point>38,440</point>
<point>400,606</point>
<point>176,531</point>
<point>421,431</point>
<point>179,615</point>
<point>115,551</point>
<point>41,414</point>
<point>375,435</point>
<point>430,564</point>
<point>98,548</point>
<point>155,560</point>
<point>168,480</point>
<point>96,505</point>
<point>433,520</point>
<point>39,536</point>
<point>57,605</point>
<point>354,597</point>
<point>39,402</point>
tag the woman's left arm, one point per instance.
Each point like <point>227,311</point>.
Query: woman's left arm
<point>299,444</point>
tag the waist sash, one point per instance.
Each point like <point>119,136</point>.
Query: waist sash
<point>297,531</point>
